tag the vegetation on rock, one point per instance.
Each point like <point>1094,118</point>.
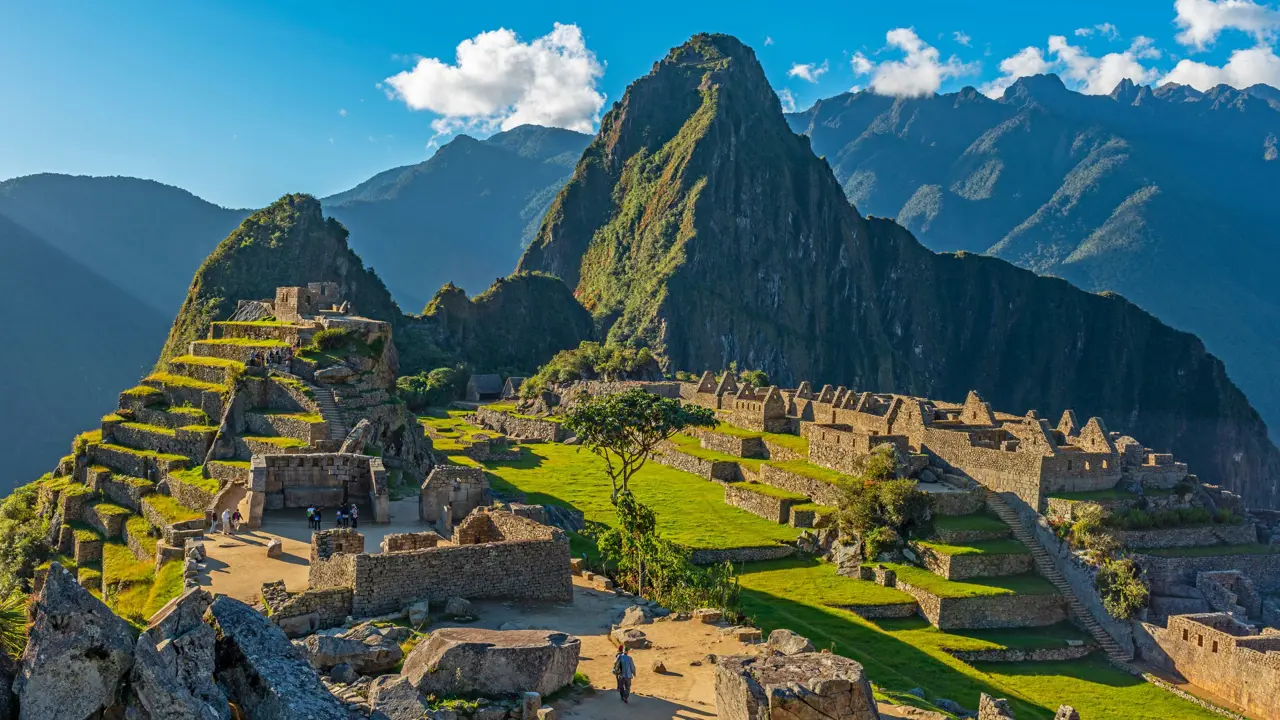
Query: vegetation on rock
<point>593,361</point>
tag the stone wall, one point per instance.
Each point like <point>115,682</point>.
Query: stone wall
<point>960,502</point>
<point>517,427</point>
<point>816,490</point>
<point>741,554</point>
<point>291,334</point>
<point>720,471</point>
<point>782,453</point>
<point>1014,655</point>
<point>1163,573</point>
<point>960,567</point>
<point>744,447</point>
<point>1230,660</point>
<point>766,506</point>
<point>189,495</point>
<point>1244,534</point>
<point>452,489</point>
<point>527,561</point>
<point>123,490</point>
<point>842,448</point>
<point>405,542</point>
<point>140,552</point>
<point>285,425</point>
<point>298,480</point>
<point>880,612</point>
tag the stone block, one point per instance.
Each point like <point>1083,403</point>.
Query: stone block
<point>817,685</point>
<point>459,661</point>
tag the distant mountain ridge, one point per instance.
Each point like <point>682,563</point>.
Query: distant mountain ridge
<point>463,216</point>
<point>1165,195</point>
<point>699,224</point>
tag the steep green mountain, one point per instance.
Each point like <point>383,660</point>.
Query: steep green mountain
<point>517,324</point>
<point>144,236</point>
<point>73,341</point>
<point>699,223</point>
<point>1164,195</point>
<point>464,215</point>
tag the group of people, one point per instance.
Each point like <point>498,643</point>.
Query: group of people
<point>347,516</point>
<point>230,522</point>
<point>259,358</point>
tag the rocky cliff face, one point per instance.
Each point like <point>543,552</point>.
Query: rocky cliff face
<point>698,222</point>
<point>1163,195</point>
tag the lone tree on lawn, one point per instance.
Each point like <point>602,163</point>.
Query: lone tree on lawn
<point>624,428</point>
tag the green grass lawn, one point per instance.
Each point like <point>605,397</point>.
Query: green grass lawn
<point>279,441</point>
<point>120,567</point>
<point>159,457</point>
<point>1211,550</point>
<point>195,478</point>
<point>206,361</point>
<point>170,509</point>
<point>137,602</point>
<point>979,522</point>
<point>770,491</point>
<point>809,470</point>
<point>137,527</point>
<point>1028,584</point>
<point>171,380</point>
<point>904,654</point>
<point>153,429</point>
<point>982,547</point>
<point>795,443</point>
<point>691,511</point>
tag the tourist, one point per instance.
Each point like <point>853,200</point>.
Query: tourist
<point>236,518</point>
<point>226,522</point>
<point>355,517</point>
<point>339,518</point>
<point>317,516</point>
<point>311,518</point>
<point>624,668</point>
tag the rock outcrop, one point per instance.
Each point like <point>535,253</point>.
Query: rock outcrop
<point>77,655</point>
<point>372,654</point>
<point>185,645</point>
<point>781,687</point>
<point>261,670</point>
<point>990,708</point>
<point>393,697</point>
<point>458,661</point>
<point>699,224</point>
<point>789,643</point>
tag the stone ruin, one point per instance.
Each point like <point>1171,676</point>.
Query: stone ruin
<point>450,493</point>
<point>1229,658</point>
<point>783,687</point>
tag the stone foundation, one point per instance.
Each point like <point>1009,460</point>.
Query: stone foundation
<point>768,507</point>
<point>987,611</point>
<point>818,491</point>
<point>1189,536</point>
<point>780,687</point>
<point>741,555</point>
<point>718,470</point>
<point>524,428</point>
<point>960,567</point>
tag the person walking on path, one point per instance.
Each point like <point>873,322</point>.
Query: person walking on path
<point>236,519</point>
<point>226,522</point>
<point>355,517</point>
<point>311,517</point>
<point>624,668</point>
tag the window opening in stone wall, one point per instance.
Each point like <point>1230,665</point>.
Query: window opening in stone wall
<point>1200,641</point>
<point>1185,634</point>
<point>1215,646</point>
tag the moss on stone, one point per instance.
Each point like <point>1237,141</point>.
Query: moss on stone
<point>171,380</point>
<point>153,429</point>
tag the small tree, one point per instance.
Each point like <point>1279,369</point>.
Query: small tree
<point>624,428</point>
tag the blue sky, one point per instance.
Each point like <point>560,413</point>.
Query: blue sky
<point>240,102</point>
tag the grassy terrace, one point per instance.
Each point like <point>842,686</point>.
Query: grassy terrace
<point>1027,584</point>
<point>194,478</point>
<point>795,443</point>
<point>244,342</point>
<point>510,409</point>
<point>138,527</point>
<point>171,380</point>
<point>769,490</point>
<point>809,470</point>
<point>279,441</point>
<point>983,547</point>
<point>138,601</point>
<point>1096,496</point>
<point>693,447</point>
<point>119,566</point>
<point>142,391</point>
<point>170,509</point>
<point>804,596</point>
<point>302,417</point>
<point>156,429</point>
<point>1211,550</point>
<point>691,511</point>
<point>979,522</point>
<point>208,362</point>
<point>84,532</point>
<point>151,454</point>
<point>107,509</point>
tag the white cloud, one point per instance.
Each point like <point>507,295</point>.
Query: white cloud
<point>498,81</point>
<point>920,73</point>
<point>1026,62</point>
<point>342,112</point>
<point>788,101</point>
<point>1106,30</point>
<point>808,71</point>
<point>1245,67</point>
<point>768,40</point>
<point>1203,20</point>
<point>962,37</point>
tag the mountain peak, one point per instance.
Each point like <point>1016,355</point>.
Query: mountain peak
<point>1036,87</point>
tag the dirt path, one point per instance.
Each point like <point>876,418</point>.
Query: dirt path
<point>237,565</point>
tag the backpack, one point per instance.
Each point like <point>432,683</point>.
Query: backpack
<point>617,664</point>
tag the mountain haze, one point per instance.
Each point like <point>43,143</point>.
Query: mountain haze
<point>74,341</point>
<point>463,216</point>
<point>1165,195</point>
<point>699,223</point>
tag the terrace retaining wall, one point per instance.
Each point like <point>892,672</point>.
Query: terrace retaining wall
<point>816,490</point>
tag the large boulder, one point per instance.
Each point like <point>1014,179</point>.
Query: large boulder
<point>458,661</point>
<point>157,691</point>
<point>783,687</point>
<point>185,645</point>
<point>789,643</point>
<point>77,654</point>
<point>261,670</point>
<point>460,608</point>
<point>990,708</point>
<point>372,654</point>
<point>635,615</point>
<point>630,638</point>
<point>393,697</point>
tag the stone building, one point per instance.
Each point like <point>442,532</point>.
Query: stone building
<point>1228,658</point>
<point>483,388</point>
<point>450,493</point>
<point>295,304</point>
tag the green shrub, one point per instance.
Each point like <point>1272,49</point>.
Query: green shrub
<point>331,339</point>
<point>1226,517</point>
<point>877,541</point>
<point>1122,589</point>
<point>22,533</point>
<point>437,388</point>
<point>754,378</point>
<point>593,361</point>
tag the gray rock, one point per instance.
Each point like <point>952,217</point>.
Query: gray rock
<point>547,713</point>
<point>393,697</point>
<point>1066,712</point>
<point>917,692</point>
<point>512,626</point>
<point>157,689</point>
<point>953,707</point>
<point>990,708</point>
<point>372,655</point>
<point>530,702</point>
<point>492,712</point>
<point>77,654</point>
<point>397,634</point>
<point>572,440</point>
<point>343,673</point>
<point>635,615</point>
<point>262,672</point>
<point>457,661</point>
<point>419,614</point>
<point>457,607</point>
<point>335,374</point>
<point>809,685</point>
<point>186,645</point>
<point>275,548</point>
<point>789,643</point>
<point>630,638</point>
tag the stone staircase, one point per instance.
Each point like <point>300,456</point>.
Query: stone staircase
<point>1050,572</point>
<point>329,411</point>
